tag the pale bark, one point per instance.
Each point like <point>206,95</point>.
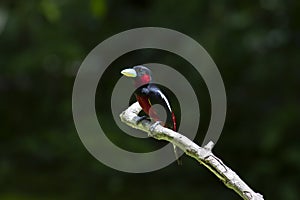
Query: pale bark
<point>203,155</point>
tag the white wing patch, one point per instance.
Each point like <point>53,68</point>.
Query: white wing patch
<point>165,99</point>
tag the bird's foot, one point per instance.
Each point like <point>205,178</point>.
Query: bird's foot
<point>153,126</point>
<point>140,119</point>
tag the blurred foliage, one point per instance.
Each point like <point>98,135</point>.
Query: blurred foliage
<point>42,43</point>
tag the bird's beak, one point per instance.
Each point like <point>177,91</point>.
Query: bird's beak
<point>129,72</point>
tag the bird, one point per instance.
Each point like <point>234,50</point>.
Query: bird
<point>148,94</point>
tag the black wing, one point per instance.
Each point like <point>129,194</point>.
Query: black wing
<point>156,96</point>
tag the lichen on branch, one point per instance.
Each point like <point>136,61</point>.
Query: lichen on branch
<point>203,155</point>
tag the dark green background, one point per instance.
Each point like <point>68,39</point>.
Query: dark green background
<point>42,43</point>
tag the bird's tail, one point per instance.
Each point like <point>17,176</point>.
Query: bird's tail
<point>179,161</point>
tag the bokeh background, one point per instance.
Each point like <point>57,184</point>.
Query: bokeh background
<point>255,44</point>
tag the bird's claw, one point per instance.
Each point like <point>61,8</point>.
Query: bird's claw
<point>140,119</point>
<point>153,126</point>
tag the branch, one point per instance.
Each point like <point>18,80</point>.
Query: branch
<point>203,155</point>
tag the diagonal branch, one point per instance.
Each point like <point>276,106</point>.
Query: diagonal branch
<point>203,155</point>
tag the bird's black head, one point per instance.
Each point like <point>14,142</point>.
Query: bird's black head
<point>141,74</point>
<point>142,71</point>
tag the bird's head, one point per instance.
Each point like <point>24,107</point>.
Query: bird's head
<point>140,74</point>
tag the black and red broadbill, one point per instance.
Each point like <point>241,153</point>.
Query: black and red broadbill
<point>148,94</point>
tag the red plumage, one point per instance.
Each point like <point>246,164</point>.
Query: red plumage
<point>148,94</point>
